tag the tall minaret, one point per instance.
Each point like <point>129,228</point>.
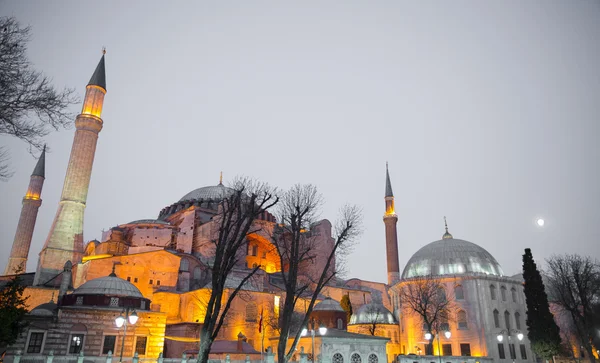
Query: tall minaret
<point>65,240</point>
<point>390,219</point>
<point>17,262</point>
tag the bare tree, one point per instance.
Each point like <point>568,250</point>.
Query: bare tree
<point>574,284</point>
<point>296,247</point>
<point>234,221</point>
<point>29,105</point>
<point>426,297</point>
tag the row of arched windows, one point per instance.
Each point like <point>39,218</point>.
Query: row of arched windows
<point>507,320</point>
<point>503,291</point>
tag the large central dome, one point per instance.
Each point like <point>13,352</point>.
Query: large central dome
<point>213,192</point>
<point>450,256</point>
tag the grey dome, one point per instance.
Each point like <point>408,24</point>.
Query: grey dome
<point>451,256</point>
<point>46,309</point>
<point>328,305</point>
<point>372,313</point>
<point>215,192</point>
<point>109,286</point>
<point>149,221</point>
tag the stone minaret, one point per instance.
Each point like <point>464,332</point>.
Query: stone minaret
<point>65,240</point>
<point>390,219</point>
<point>17,262</point>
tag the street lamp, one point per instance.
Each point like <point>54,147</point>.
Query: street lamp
<point>322,331</point>
<point>517,333</point>
<point>447,334</point>
<point>121,321</point>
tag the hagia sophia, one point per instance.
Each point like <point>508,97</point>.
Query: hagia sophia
<point>160,268</point>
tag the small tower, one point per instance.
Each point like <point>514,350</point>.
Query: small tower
<point>17,262</point>
<point>390,219</point>
<point>65,239</point>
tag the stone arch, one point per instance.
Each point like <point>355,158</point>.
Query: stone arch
<point>459,292</point>
<point>507,320</point>
<point>461,317</point>
<point>503,292</point>
<point>355,358</point>
<point>337,358</point>
<point>373,358</point>
<point>493,292</point>
<point>496,318</point>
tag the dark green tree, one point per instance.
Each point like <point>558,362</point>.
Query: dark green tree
<point>346,305</point>
<point>12,311</point>
<point>543,333</point>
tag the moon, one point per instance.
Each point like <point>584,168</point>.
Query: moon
<point>540,222</point>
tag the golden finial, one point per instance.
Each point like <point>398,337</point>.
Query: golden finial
<point>446,235</point>
<point>103,50</point>
<point>113,274</point>
<point>221,179</point>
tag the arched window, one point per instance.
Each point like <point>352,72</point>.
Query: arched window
<point>251,311</point>
<point>513,292</point>
<point>459,294</point>
<point>496,318</point>
<point>518,320</point>
<point>337,358</point>
<point>197,273</point>
<point>184,265</point>
<point>340,324</point>
<point>507,320</point>
<point>493,292</point>
<point>503,292</point>
<point>441,293</point>
<point>461,316</point>
<point>355,358</point>
<point>373,358</point>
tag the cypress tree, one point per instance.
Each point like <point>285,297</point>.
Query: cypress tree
<point>347,306</point>
<point>543,333</point>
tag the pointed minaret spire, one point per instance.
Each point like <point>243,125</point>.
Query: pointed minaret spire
<point>221,178</point>
<point>65,239</point>
<point>390,219</point>
<point>99,76</point>
<point>40,167</point>
<point>446,235</point>
<point>17,262</point>
<point>388,184</point>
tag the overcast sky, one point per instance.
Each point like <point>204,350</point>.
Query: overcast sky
<point>487,112</point>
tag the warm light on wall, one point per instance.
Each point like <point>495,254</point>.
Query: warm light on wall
<point>32,196</point>
<point>276,306</point>
<point>94,257</point>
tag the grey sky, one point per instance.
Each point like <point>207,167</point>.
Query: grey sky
<point>486,111</point>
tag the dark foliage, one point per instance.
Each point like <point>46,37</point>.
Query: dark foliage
<point>12,311</point>
<point>543,332</point>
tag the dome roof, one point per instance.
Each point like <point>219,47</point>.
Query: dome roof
<point>109,286</point>
<point>328,305</point>
<point>215,192</point>
<point>450,256</point>
<point>46,309</point>
<point>372,313</point>
<point>149,221</point>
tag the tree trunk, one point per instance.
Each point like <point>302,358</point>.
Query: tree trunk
<point>205,343</point>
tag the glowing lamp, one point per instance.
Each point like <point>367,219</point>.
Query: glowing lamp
<point>520,336</point>
<point>447,334</point>
<point>322,330</point>
<point>500,337</point>
<point>304,332</point>
<point>133,318</point>
<point>119,321</point>
<point>428,336</point>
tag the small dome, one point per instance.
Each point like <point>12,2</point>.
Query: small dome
<point>450,256</point>
<point>149,221</point>
<point>372,313</point>
<point>109,286</point>
<point>46,309</point>
<point>215,192</point>
<point>328,305</point>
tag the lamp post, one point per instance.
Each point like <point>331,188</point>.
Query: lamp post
<point>322,331</point>
<point>121,321</point>
<point>447,334</point>
<point>509,333</point>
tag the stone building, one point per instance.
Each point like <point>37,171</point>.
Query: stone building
<point>164,262</point>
